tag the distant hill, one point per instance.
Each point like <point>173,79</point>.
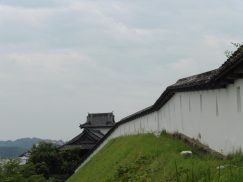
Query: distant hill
<point>15,148</point>
<point>11,151</point>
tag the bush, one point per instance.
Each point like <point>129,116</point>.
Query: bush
<point>48,160</point>
<point>47,163</point>
<point>13,172</point>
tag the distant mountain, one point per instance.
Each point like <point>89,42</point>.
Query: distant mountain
<point>11,151</point>
<point>15,148</point>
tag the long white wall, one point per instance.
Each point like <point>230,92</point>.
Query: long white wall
<point>215,117</point>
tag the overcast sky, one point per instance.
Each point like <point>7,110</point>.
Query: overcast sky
<point>60,59</point>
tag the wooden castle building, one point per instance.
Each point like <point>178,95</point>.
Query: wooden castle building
<point>94,129</point>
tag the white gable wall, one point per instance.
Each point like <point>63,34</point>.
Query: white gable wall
<point>102,130</point>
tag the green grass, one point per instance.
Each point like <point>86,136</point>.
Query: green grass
<point>150,158</point>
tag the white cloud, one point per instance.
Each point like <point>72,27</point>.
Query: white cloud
<point>15,14</point>
<point>216,42</point>
<point>37,4</point>
<point>184,66</point>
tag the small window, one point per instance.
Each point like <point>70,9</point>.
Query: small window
<point>238,95</point>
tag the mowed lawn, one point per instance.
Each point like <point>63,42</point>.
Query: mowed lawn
<point>149,158</point>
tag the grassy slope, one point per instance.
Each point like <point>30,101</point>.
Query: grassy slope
<point>150,158</point>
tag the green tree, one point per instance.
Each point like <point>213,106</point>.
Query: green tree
<point>46,158</point>
<point>13,172</point>
<point>238,46</point>
<point>70,160</point>
<point>28,170</point>
<point>11,167</point>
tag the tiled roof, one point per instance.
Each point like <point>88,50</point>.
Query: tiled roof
<point>210,76</point>
<point>87,137</point>
<point>99,120</point>
<point>199,79</point>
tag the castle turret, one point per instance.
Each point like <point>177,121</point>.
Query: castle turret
<point>102,122</point>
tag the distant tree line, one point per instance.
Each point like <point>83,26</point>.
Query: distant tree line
<point>47,163</point>
<point>11,151</point>
<point>17,147</point>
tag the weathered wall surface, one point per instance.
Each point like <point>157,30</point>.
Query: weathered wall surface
<point>214,117</point>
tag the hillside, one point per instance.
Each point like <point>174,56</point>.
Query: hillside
<point>11,151</point>
<point>151,158</point>
<point>15,148</point>
<point>26,142</point>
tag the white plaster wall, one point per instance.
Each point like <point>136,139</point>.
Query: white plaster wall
<point>102,130</point>
<point>220,127</point>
